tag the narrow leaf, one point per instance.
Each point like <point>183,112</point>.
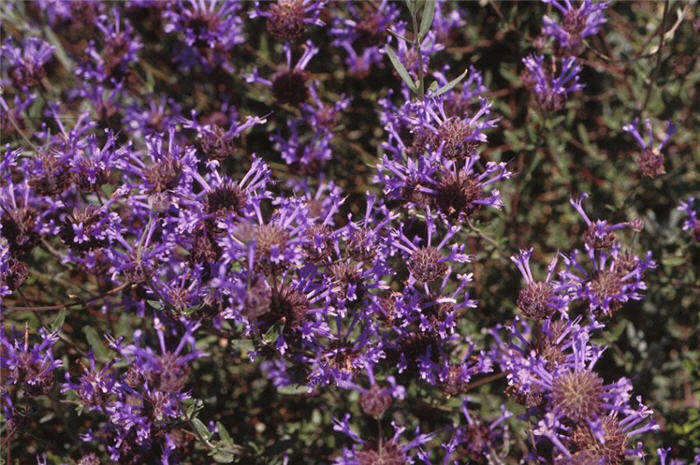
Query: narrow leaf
<point>57,323</point>
<point>201,428</point>
<point>223,434</point>
<point>398,36</point>
<point>293,390</point>
<point>452,83</point>
<point>427,19</point>
<point>400,68</point>
<point>95,342</point>
<point>412,6</point>
<point>223,457</point>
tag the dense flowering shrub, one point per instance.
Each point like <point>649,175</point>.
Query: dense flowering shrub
<point>359,233</point>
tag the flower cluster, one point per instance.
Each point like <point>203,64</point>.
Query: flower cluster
<point>691,223</point>
<point>550,358</point>
<point>651,160</point>
<point>205,225</point>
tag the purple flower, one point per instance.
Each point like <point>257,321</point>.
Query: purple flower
<point>211,28</point>
<point>13,272</point>
<point>432,181</point>
<point>600,234</point>
<point>540,299</point>
<point>143,403</point>
<point>119,49</point>
<point>387,450</point>
<point>551,90</point>
<point>365,25</point>
<point>288,19</point>
<point>20,218</point>
<point>579,20</point>
<point>323,116</point>
<point>290,85</point>
<point>464,103</point>
<point>156,116</point>
<point>691,223</point>
<point>305,156</point>
<point>219,143</point>
<point>93,166</point>
<point>406,53</point>
<point>427,262</point>
<point>447,22</point>
<point>25,64</point>
<point>651,160</point>
<point>30,367</point>
<point>613,277</point>
<point>167,179</point>
<point>362,33</point>
<point>477,438</point>
<point>12,120</point>
<point>376,400</point>
<point>94,387</point>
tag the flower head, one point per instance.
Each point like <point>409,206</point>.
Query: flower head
<point>551,89</point>
<point>651,160</point>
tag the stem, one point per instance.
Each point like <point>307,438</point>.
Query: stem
<point>482,235</point>
<point>483,381</point>
<point>47,308</point>
<point>655,72</point>
<point>417,48</point>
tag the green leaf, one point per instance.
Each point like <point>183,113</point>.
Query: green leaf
<point>427,19</point>
<point>244,345</point>
<point>201,428</point>
<point>412,6</point>
<point>399,67</point>
<point>95,342</point>
<point>673,260</point>
<point>398,36</point>
<point>223,457</point>
<point>452,83</point>
<point>293,390</point>
<point>223,434</point>
<point>57,323</point>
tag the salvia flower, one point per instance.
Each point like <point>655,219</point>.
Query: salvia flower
<point>362,34</point>
<point>651,160</point>
<point>288,19</point>
<point>304,154</point>
<point>119,48</point>
<point>551,87</point>
<point>579,20</point>
<point>30,367</point>
<point>692,223</point>
<point>386,450</point>
<point>477,438</point>
<point>375,400</point>
<point>25,64</point>
<point>613,277</point>
<point>540,299</point>
<point>600,234</point>
<point>458,137</point>
<point>211,28</point>
<point>216,142</point>
<point>426,262</point>
<point>13,272</point>
<point>289,86</point>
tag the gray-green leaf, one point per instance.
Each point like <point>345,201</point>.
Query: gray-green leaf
<point>399,67</point>
<point>452,83</point>
<point>201,428</point>
<point>427,19</point>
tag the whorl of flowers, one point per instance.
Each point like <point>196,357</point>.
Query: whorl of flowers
<point>187,226</point>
